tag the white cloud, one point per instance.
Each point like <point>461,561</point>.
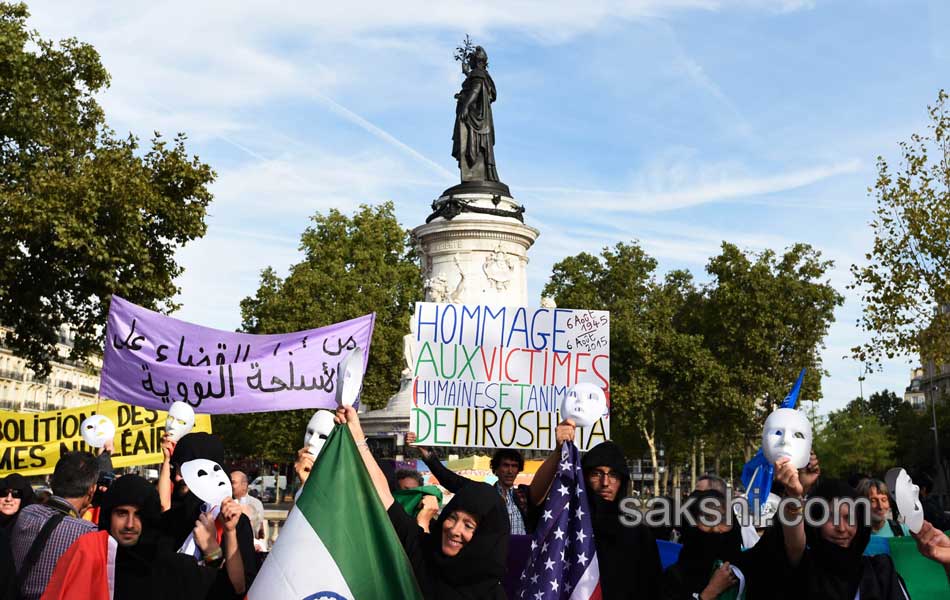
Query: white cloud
<point>672,186</point>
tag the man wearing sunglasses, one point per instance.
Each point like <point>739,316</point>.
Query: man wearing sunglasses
<point>43,532</point>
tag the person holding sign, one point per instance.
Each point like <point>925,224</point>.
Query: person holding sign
<point>506,463</point>
<point>466,551</point>
<point>628,557</point>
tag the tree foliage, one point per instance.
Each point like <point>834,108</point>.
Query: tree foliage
<point>766,316</point>
<point>886,406</point>
<point>620,280</point>
<point>854,441</point>
<point>905,282</point>
<point>352,266</point>
<point>83,213</point>
<point>702,363</point>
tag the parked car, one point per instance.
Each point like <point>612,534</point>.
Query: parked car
<point>270,495</point>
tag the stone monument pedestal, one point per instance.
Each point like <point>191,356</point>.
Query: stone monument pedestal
<point>474,250</point>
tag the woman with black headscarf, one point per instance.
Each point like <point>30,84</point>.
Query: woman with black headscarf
<point>464,556</point>
<point>628,556</point>
<point>16,493</point>
<point>833,566</point>
<point>703,546</point>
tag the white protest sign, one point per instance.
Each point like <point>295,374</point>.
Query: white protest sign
<point>492,376</point>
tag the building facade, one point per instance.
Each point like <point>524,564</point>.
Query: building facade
<point>69,384</point>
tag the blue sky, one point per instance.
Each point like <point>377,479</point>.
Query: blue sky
<point>679,123</point>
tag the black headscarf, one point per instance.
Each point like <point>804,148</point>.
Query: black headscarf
<point>16,481</point>
<point>702,549</point>
<point>135,491</point>
<point>476,572</point>
<point>180,520</point>
<point>628,557</point>
<point>151,568</point>
<point>197,445</point>
<point>833,572</point>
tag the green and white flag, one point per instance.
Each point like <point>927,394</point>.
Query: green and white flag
<point>338,542</point>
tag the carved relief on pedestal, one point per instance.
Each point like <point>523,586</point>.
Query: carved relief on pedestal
<point>438,290</point>
<point>498,268</point>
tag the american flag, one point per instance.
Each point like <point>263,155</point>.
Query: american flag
<point>563,564</point>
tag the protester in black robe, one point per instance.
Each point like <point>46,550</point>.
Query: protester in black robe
<point>152,568</point>
<point>8,589</point>
<point>628,556</point>
<point>476,572</point>
<point>20,487</point>
<point>179,521</point>
<point>703,546</point>
<point>14,485</point>
<point>830,571</point>
<point>465,555</point>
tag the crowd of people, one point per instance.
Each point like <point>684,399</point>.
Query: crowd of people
<point>102,537</point>
<point>99,536</point>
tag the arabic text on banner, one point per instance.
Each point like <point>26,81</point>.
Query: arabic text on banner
<point>152,360</point>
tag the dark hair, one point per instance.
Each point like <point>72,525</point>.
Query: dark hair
<point>74,474</point>
<point>409,473</point>
<point>715,482</point>
<point>924,481</point>
<point>864,486</point>
<point>509,454</point>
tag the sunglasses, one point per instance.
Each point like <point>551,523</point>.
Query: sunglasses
<point>11,492</point>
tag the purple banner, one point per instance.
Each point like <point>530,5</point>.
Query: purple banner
<point>152,360</point>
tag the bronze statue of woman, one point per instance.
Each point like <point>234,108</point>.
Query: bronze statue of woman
<point>473,140</point>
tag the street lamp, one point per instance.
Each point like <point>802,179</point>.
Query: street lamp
<point>933,407</point>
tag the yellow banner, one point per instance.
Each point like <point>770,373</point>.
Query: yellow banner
<point>31,443</point>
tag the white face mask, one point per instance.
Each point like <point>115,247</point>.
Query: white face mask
<point>318,429</point>
<point>787,432</point>
<point>349,378</point>
<point>584,403</point>
<point>180,421</point>
<point>907,498</point>
<point>207,480</point>
<point>97,430</point>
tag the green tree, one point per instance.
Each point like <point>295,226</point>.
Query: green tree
<point>913,432</point>
<point>352,266</point>
<point>83,214</point>
<point>765,319</point>
<point>885,405</point>
<point>853,440</point>
<point>905,282</point>
<point>663,380</point>
<point>619,281</point>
